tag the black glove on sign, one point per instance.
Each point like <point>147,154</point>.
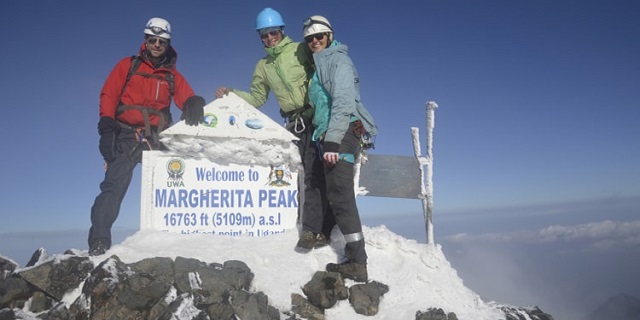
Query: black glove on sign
<point>193,111</point>
<point>108,129</point>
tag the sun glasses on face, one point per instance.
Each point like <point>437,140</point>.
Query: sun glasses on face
<point>266,34</point>
<point>153,40</point>
<point>318,36</point>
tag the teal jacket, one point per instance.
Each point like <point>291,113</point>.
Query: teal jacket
<point>334,91</point>
<point>285,70</point>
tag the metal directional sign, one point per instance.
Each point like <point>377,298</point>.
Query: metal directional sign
<point>390,176</point>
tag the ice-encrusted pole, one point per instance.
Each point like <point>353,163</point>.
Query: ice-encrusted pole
<point>426,187</point>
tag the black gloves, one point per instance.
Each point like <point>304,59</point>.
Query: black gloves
<point>192,111</point>
<point>108,128</point>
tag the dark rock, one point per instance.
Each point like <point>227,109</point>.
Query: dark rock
<point>7,314</point>
<point>222,311</point>
<point>60,312</point>
<point>100,288</point>
<point>365,298</point>
<point>40,302</point>
<point>524,313</point>
<point>253,306</point>
<point>181,305</point>
<point>432,314</point>
<point>6,267</point>
<point>213,286</point>
<point>237,274</point>
<point>164,289</point>
<point>57,277</point>
<point>119,291</point>
<point>186,277</point>
<point>37,257</point>
<point>325,289</point>
<point>72,252</point>
<point>147,281</point>
<point>100,291</point>
<point>304,308</point>
<point>14,292</point>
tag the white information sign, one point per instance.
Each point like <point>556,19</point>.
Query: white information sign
<point>195,195</point>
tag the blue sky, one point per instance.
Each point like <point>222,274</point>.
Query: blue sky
<point>536,125</point>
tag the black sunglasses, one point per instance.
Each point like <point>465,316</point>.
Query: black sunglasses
<point>317,36</point>
<point>153,40</point>
<point>273,33</point>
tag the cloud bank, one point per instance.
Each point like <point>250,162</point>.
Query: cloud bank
<point>602,235</point>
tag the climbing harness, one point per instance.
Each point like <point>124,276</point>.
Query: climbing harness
<point>295,120</point>
<point>164,114</point>
<point>140,137</point>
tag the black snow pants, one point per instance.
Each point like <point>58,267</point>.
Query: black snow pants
<point>312,211</point>
<point>342,198</point>
<point>113,188</point>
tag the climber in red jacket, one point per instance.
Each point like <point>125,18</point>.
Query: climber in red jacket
<point>134,108</point>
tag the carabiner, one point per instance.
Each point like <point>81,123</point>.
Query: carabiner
<point>302,125</point>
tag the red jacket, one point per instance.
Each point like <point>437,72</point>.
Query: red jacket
<point>143,91</point>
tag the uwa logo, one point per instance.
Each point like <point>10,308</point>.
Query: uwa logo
<point>175,169</point>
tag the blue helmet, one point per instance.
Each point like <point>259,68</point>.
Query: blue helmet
<point>268,18</point>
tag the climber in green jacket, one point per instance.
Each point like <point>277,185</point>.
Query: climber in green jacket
<point>286,70</point>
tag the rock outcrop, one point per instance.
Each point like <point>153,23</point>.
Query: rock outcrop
<point>161,288</point>
<point>69,286</point>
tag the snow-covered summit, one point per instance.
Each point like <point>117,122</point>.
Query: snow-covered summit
<point>418,275</point>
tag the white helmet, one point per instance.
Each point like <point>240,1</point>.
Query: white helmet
<point>158,27</point>
<point>314,25</point>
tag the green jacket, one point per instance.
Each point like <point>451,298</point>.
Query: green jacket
<point>285,70</point>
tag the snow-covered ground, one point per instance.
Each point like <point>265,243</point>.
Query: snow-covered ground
<point>418,275</point>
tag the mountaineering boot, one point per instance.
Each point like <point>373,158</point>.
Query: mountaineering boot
<point>321,241</point>
<point>98,248</point>
<point>350,270</point>
<point>306,242</point>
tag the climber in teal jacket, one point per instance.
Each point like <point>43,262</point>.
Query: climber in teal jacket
<point>340,122</point>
